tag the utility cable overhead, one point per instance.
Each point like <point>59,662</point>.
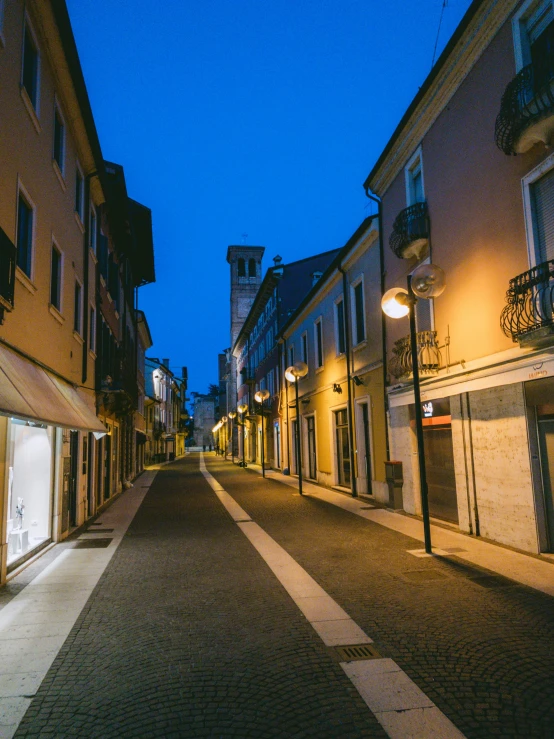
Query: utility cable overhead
<point>444,4</point>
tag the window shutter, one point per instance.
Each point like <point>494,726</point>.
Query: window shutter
<point>538,21</point>
<point>542,200</point>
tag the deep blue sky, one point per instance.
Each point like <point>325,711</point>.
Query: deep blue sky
<point>246,116</point>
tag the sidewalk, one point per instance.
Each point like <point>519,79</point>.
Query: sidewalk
<point>525,569</point>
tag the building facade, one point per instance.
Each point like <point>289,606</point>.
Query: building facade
<point>467,182</point>
<point>336,332</point>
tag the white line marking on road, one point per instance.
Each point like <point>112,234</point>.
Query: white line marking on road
<point>402,709</point>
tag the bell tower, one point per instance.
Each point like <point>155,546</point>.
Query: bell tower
<point>246,278</point>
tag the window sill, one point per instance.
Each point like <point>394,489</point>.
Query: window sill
<point>92,354</point>
<point>59,174</point>
<point>361,345</point>
<point>30,109</point>
<point>56,313</point>
<point>102,281</point>
<point>79,222</point>
<point>77,336</point>
<point>319,369</point>
<point>340,355</point>
<point>93,256</point>
<point>25,281</point>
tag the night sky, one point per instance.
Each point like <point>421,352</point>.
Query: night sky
<point>258,117</point>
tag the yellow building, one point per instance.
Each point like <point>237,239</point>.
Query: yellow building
<point>337,332</point>
<point>50,193</point>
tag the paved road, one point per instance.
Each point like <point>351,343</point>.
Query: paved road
<point>189,634</point>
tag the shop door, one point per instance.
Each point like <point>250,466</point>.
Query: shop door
<point>73,476</point>
<point>546,444</point>
<point>441,480</point>
<point>277,444</point>
<point>342,447</point>
<point>107,465</point>
<point>364,448</point>
<point>312,460</point>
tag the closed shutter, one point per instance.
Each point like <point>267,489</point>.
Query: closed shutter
<point>542,202</point>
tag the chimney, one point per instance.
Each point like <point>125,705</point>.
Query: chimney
<point>165,362</point>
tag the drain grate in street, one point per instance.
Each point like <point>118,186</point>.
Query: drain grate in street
<point>99,531</point>
<point>92,543</point>
<point>423,575</point>
<point>358,651</point>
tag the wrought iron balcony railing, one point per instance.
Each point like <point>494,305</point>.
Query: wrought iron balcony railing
<point>7,272</point>
<point>428,355</point>
<point>528,317</point>
<point>410,231</point>
<point>527,108</point>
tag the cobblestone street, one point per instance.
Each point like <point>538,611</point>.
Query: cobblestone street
<point>188,632</point>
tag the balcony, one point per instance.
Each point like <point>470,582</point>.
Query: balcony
<point>7,273</point>
<point>410,231</point>
<point>527,108</point>
<point>428,355</point>
<point>528,317</point>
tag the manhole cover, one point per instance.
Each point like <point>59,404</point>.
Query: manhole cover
<point>490,581</point>
<point>92,543</point>
<point>358,651</point>
<point>423,575</point>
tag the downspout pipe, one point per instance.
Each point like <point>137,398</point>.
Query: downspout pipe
<point>379,202</point>
<point>85,309</point>
<point>353,470</point>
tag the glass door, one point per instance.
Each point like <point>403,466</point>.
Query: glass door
<point>342,447</point>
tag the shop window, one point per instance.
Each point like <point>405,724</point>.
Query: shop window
<point>56,278</point>
<point>30,454</point>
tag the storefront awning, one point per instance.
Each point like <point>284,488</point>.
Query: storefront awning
<point>28,391</point>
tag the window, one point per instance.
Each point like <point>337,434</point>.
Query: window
<point>93,227</point>
<point>533,28</point>
<point>424,311</point>
<point>59,139</point>
<point>269,340</point>
<point>304,346</point>
<point>56,278</point>
<point>2,4</point>
<point>339,326</point>
<point>318,341</point>
<point>77,315</point>
<point>92,329</point>
<point>251,268</point>
<point>241,267</point>
<point>25,222</point>
<point>538,199</point>
<point>79,193</point>
<point>358,311</point>
<point>291,356</point>
<point>414,180</point>
<point>30,71</point>
<point>271,382</point>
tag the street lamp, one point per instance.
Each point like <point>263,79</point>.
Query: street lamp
<point>260,397</point>
<point>294,373</point>
<point>242,409</point>
<point>224,426</point>
<point>427,281</point>
<point>232,416</point>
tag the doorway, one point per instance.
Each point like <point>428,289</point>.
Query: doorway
<point>73,477</point>
<point>342,447</point>
<point>312,455</point>
<point>545,426</point>
<point>277,444</point>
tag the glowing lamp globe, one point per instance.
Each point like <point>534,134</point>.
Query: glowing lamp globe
<point>242,408</point>
<point>261,395</point>
<point>394,303</point>
<point>428,281</point>
<point>232,414</point>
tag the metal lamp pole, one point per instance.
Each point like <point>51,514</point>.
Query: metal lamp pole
<point>260,397</point>
<point>412,300</point>
<point>242,410</point>
<point>232,415</point>
<point>293,374</point>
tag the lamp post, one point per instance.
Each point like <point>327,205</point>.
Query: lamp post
<point>224,427</point>
<point>232,416</point>
<point>260,397</point>
<point>242,409</point>
<point>294,373</point>
<point>427,281</point>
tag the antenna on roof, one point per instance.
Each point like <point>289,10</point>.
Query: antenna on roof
<point>444,4</point>
<point>244,237</point>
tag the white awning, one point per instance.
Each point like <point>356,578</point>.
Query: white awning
<point>28,391</point>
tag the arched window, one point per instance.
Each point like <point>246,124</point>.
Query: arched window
<point>251,268</point>
<point>242,268</point>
